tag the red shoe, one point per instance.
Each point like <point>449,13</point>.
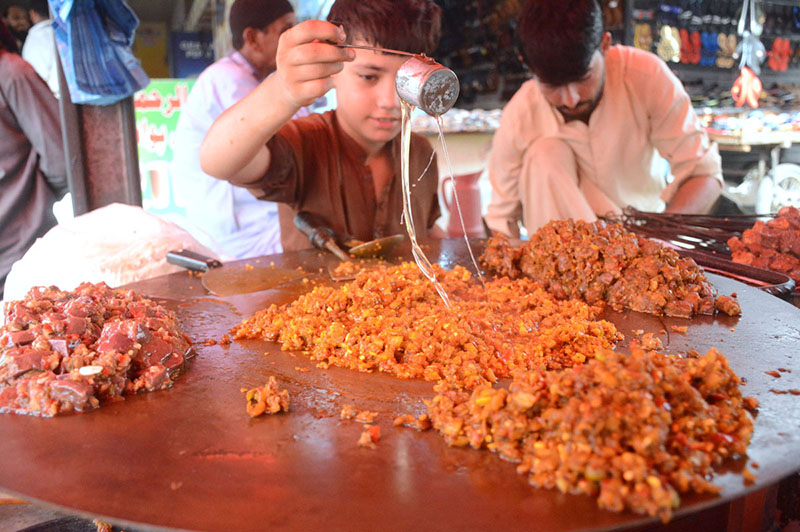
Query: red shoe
<point>686,46</point>
<point>697,48</point>
<point>774,61</point>
<point>786,54</point>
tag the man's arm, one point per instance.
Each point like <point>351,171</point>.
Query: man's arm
<point>505,164</point>
<point>677,134</point>
<point>36,111</point>
<point>696,195</point>
<point>235,147</point>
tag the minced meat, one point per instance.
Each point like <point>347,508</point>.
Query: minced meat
<point>635,431</point>
<point>391,319</point>
<point>64,351</point>
<point>605,263</point>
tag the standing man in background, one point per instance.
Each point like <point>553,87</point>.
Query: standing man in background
<point>581,138</point>
<point>239,225</point>
<point>16,18</point>
<point>33,173</point>
<point>40,47</point>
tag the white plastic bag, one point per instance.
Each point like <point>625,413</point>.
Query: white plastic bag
<point>117,244</point>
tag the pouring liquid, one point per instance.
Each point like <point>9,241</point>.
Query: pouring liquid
<point>422,261</point>
<point>455,197</point>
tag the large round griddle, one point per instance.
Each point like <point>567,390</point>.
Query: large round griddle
<point>191,458</point>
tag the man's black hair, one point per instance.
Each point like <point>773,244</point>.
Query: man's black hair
<point>408,25</point>
<point>7,5</point>
<point>257,14</point>
<point>559,37</point>
<point>40,7</point>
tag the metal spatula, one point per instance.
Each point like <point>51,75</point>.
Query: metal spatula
<point>241,277</point>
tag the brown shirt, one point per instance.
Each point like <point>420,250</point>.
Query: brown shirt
<point>317,167</point>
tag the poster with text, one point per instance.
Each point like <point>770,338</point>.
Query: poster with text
<point>157,108</point>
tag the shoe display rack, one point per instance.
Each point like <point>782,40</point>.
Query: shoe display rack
<point>700,38</point>
<point>478,45</point>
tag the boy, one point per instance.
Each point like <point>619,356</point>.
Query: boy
<point>342,166</point>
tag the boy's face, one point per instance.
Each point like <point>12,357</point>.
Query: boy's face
<point>368,107</point>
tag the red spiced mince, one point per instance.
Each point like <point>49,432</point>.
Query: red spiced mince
<point>268,399</point>
<point>391,319</point>
<point>634,431</point>
<point>70,351</point>
<point>600,262</point>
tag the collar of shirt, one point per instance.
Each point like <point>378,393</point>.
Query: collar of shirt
<point>352,149</point>
<point>39,26</point>
<point>357,157</point>
<point>241,60</point>
<point>576,123</point>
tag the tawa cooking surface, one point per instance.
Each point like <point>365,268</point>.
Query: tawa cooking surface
<point>191,458</point>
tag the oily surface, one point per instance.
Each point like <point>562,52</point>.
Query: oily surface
<point>192,458</point>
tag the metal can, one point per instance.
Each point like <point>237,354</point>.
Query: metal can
<point>423,82</point>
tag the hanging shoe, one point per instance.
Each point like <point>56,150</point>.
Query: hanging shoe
<point>668,48</point>
<point>686,46</point>
<point>696,47</point>
<point>774,60</point>
<point>647,37</point>
<point>786,53</point>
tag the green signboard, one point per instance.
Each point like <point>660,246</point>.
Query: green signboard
<point>157,109</point>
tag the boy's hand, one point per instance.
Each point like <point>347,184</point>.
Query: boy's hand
<point>306,60</point>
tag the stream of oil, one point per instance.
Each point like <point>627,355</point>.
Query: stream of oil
<point>419,256</point>
<point>422,261</point>
<point>455,198</point>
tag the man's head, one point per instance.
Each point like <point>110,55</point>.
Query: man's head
<point>7,41</point>
<point>368,107</point>
<point>38,10</point>
<point>256,26</point>
<point>564,45</point>
<point>16,18</point>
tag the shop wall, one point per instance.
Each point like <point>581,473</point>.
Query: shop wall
<point>150,47</point>
<point>190,53</point>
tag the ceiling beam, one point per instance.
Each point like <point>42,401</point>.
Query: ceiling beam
<point>178,15</point>
<point>195,14</point>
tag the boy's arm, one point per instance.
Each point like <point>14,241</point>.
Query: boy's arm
<point>235,147</point>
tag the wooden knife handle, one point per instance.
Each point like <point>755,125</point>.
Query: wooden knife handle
<point>321,236</point>
<point>191,260</point>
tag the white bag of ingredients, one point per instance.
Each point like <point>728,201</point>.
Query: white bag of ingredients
<point>117,244</point>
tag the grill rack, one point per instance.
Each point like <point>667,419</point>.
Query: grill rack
<point>704,238</point>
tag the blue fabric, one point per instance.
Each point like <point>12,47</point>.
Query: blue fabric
<point>94,39</point>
